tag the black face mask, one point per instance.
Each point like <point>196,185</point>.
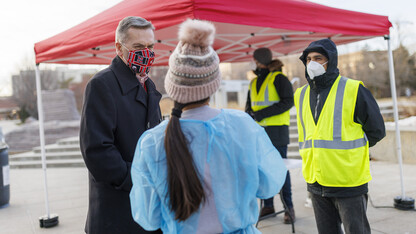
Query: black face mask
<point>261,72</point>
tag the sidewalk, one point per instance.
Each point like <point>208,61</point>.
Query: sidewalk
<point>9,125</point>
<point>68,191</point>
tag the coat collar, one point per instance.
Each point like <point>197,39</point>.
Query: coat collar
<point>128,81</point>
<point>153,94</point>
<point>124,75</point>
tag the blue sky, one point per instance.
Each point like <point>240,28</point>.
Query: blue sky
<point>25,22</point>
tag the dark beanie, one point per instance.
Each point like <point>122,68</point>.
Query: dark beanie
<point>263,55</point>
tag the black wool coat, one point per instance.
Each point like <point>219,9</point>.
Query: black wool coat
<point>116,112</point>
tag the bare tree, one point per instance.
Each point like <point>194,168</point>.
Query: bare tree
<point>24,87</point>
<point>373,71</point>
<point>404,67</point>
<point>404,62</point>
<point>371,67</point>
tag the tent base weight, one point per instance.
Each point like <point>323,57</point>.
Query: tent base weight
<point>406,203</point>
<point>47,222</point>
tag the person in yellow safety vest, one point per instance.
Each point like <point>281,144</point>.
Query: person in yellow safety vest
<point>269,99</point>
<point>338,120</point>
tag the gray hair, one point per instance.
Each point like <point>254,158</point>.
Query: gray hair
<point>131,22</point>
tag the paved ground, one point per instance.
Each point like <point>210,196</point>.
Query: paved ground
<point>68,198</point>
<point>9,125</point>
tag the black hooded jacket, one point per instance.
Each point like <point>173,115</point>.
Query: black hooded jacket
<point>279,135</point>
<point>367,112</point>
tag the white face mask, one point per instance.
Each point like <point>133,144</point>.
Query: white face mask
<point>315,69</point>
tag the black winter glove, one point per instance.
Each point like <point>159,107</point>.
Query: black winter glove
<point>258,116</point>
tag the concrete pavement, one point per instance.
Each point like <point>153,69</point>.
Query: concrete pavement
<point>68,191</point>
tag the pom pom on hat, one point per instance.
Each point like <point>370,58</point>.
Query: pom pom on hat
<point>193,73</point>
<point>197,33</point>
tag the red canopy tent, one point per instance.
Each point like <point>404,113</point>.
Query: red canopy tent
<point>285,26</point>
<point>242,26</point>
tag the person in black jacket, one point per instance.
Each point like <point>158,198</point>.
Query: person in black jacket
<point>120,103</point>
<point>346,204</point>
<point>277,130</point>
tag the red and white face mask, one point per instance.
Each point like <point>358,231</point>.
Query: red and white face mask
<point>140,61</point>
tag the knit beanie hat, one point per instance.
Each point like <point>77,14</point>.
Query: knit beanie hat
<point>263,55</point>
<point>193,73</point>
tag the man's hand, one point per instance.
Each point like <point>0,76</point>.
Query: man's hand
<point>256,115</point>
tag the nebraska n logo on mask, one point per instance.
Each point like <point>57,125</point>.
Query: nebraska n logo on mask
<point>140,61</point>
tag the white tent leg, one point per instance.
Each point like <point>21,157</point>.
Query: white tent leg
<point>400,202</point>
<point>42,136</point>
<point>46,220</point>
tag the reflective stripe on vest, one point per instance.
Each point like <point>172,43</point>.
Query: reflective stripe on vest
<point>337,142</point>
<point>266,101</point>
<point>260,100</point>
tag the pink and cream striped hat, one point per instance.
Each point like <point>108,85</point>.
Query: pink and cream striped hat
<point>193,72</point>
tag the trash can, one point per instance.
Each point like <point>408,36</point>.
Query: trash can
<point>4,172</point>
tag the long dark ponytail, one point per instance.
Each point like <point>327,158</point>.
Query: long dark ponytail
<point>184,186</point>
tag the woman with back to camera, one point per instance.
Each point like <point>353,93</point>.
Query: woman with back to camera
<point>201,171</point>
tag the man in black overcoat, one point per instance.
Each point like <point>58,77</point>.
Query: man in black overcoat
<point>120,103</point>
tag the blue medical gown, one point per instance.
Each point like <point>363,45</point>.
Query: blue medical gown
<point>243,164</point>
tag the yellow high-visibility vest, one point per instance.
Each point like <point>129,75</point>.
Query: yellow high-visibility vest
<point>266,97</point>
<point>334,151</point>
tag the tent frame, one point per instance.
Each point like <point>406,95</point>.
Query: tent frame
<point>393,94</point>
<point>282,26</point>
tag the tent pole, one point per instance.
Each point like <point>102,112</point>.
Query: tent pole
<point>400,202</point>
<point>42,135</point>
<point>395,112</point>
<point>46,220</point>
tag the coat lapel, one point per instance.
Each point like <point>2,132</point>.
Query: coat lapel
<point>153,111</point>
<point>141,95</point>
<point>127,80</point>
